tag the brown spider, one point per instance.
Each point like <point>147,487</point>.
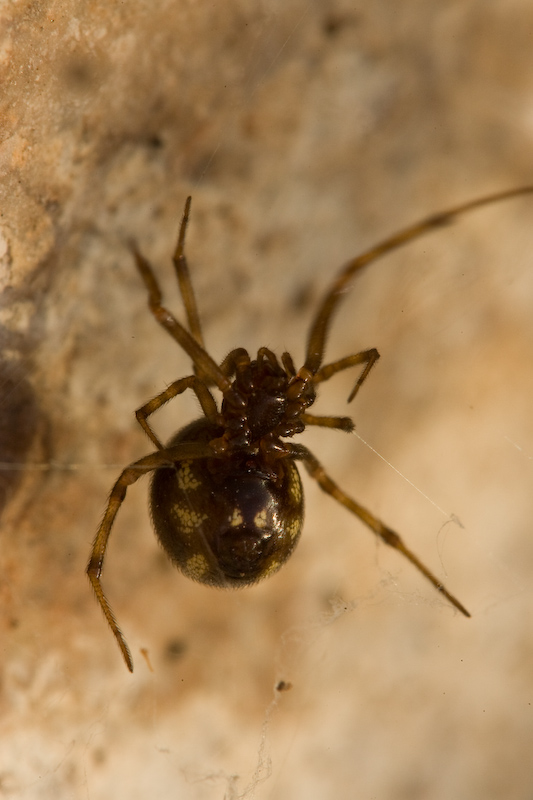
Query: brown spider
<point>226,496</point>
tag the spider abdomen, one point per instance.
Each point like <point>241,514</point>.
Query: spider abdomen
<point>226,524</point>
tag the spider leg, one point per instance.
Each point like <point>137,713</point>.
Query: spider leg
<point>320,326</point>
<point>201,391</point>
<point>390,537</point>
<point>184,279</point>
<point>340,423</point>
<point>130,475</point>
<point>206,368</point>
<point>367,357</point>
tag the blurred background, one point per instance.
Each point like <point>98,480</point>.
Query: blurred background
<point>306,132</point>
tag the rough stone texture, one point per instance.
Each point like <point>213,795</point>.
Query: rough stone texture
<point>305,131</point>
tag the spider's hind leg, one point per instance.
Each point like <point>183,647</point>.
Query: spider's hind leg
<point>386,534</point>
<point>158,460</point>
<point>96,562</point>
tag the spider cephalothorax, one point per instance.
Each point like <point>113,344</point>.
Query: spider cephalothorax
<point>265,402</point>
<point>226,497</point>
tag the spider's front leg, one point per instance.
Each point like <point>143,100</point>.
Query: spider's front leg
<point>204,366</point>
<point>184,279</point>
<point>386,534</point>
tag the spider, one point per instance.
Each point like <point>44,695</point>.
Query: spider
<point>226,496</point>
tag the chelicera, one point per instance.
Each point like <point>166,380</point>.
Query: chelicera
<point>226,497</point>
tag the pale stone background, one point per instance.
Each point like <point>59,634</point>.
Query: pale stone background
<point>305,132</point>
